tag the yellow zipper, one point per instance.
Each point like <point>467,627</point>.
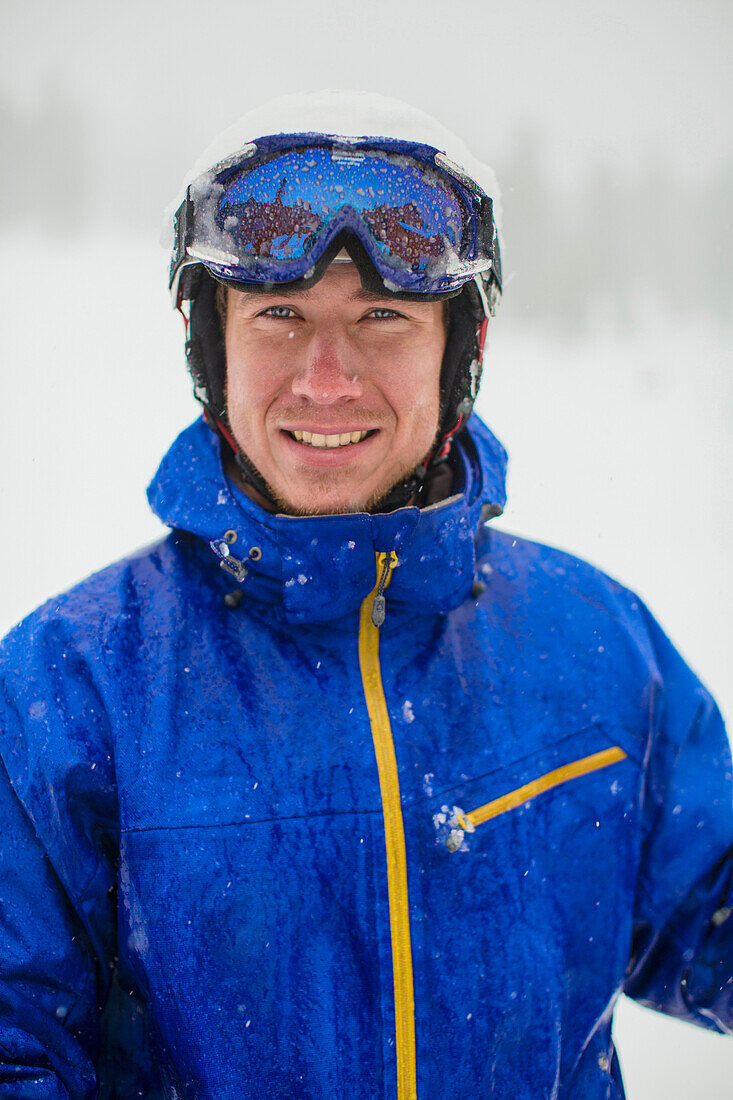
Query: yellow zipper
<point>546,782</point>
<point>394,833</point>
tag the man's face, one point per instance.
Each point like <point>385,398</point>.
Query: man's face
<point>333,392</point>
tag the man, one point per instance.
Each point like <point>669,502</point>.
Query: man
<point>337,791</point>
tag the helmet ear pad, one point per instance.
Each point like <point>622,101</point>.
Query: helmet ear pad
<point>461,370</point>
<point>205,349</point>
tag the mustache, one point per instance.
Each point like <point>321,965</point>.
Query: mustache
<point>331,418</point>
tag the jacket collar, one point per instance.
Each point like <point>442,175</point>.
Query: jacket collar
<point>320,568</point>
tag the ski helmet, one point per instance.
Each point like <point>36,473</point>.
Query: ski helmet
<point>281,193</point>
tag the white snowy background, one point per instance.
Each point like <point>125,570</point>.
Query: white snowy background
<point>609,372</point>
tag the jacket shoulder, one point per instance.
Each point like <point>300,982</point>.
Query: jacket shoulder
<point>526,561</point>
<point>96,605</point>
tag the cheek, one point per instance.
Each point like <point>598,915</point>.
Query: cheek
<point>418,388</point>
<point>249,388</point>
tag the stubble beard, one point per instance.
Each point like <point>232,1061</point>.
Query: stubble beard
<point>320,481</point>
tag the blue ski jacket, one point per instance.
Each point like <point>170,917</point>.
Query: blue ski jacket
<point>350,806</point>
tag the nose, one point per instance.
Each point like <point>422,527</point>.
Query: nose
<point>328,374</point>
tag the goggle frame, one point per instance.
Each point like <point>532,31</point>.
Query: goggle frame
<point>478,257</point>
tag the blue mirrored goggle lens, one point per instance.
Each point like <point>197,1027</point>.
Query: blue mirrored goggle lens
<point>278,209</point>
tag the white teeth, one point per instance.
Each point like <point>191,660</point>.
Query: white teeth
<point>315,439</point>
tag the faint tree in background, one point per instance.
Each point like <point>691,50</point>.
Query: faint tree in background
<point>43,154</point>
<point>616,247</point>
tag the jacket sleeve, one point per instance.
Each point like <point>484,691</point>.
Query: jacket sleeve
<point>57,874</point>
<point>682,954</point>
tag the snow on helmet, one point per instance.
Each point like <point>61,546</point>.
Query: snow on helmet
<point>276,197</point>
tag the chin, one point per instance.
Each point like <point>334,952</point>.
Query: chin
<point>307,506</point>
<point>321,499</point>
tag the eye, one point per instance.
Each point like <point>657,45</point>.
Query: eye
<point>382,314</point>
<point>284,313</point>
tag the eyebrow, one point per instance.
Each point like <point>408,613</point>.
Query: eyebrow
<point>363,295</point>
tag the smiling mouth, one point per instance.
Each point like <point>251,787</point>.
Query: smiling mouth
<point>343,439</point>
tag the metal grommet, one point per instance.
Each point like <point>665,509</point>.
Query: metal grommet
<point>255,553</point>
<point>233,599</point>
<point>230,537</point>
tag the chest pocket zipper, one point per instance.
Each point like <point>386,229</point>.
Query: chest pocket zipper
<point>466,822</point>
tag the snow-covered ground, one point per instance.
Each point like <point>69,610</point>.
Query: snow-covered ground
<point>620,451</point>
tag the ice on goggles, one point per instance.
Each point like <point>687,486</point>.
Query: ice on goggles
<point>270,218</point>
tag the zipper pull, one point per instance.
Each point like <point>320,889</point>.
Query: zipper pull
<point>379,610</point>
<point>227,561</point>
<point>379,606</point>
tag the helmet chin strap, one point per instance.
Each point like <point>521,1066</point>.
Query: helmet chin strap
<point>247,471</point>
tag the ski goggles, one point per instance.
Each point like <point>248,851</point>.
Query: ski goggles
<point>280,209</point>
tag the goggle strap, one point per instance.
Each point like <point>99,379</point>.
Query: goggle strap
<point>182,232</point>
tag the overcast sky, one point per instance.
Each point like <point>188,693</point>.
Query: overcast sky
<point>156,80</point>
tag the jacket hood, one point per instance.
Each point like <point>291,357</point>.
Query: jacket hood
<point>320,568</point>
